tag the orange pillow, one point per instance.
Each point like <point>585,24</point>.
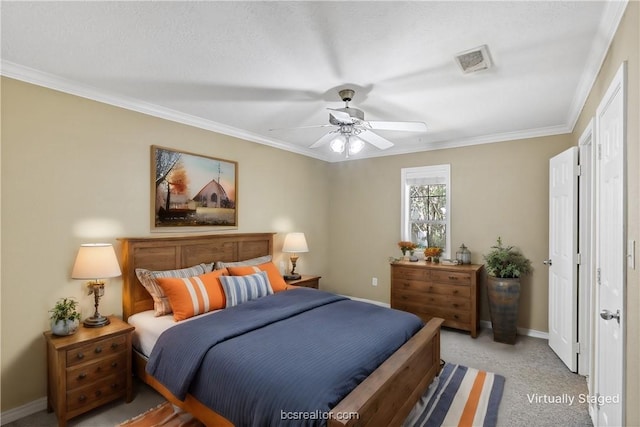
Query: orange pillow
<point>190,296</point>
<point>275,278</point>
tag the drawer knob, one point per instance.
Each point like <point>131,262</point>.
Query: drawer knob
<point>114,385</point>
<point>114,364</point>
<point>98,393</point>
<point>82,376</point>
<point>98,350</point>
<point>82,398</point>
<point>455,316</point>
<point>453,278</point>
<point>455,291</point>
<point>114,345</point>
<point>80,356</point>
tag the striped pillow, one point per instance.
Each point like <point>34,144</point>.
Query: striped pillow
<point>239,289</point>
<point>253,261</point>
<point>148,278</point>
<point>275,278</point>
<point>190,296</point>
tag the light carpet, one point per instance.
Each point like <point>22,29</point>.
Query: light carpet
<point>459,396</point>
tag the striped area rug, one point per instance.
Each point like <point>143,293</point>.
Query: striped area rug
<point>459,396</point>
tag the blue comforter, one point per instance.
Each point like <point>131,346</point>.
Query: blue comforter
<point>284,359</point>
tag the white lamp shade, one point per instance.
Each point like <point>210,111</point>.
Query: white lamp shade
<point>295,243</point>
<point>96,261</point>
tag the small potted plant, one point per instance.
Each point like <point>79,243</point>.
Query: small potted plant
<point>65,318</point>
<point>432,253</point>
<point>505,265</point>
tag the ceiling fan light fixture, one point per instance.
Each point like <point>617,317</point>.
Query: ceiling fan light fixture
<point>355,145</point>
<point>338,143</point>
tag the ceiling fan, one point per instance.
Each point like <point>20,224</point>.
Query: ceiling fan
<point>352,130</point>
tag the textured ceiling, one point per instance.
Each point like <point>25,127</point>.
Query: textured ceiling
<point>243,68</point>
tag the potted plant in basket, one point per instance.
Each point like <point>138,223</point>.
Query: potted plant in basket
<point>65,318</point>
<point>505,265</point>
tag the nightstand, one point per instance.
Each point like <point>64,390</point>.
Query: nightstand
<point>88,369</point>
<point>306,281</point>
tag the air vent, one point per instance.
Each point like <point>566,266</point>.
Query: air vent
<point>473,60</point>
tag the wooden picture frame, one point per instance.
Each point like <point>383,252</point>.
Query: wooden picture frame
<point>192,192</point>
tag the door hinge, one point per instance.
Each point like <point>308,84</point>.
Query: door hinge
<point>578,259</point>
<point>576,347</point>
<point>599,151</point>
<point>578,170</point>
<point>598,276</point>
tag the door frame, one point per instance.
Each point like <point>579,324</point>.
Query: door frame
<point>586,236</point>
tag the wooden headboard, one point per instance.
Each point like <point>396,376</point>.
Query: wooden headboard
<point>173,252</point>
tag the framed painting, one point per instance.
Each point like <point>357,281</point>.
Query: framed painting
<point>191,191</point>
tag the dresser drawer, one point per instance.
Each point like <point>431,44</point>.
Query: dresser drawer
<point>81,375</point>
<point>410,273</point>
<point>94,394</point>
<point>457,277</point>
<point>432,300</point>
<point>450,316</point>
<point>431,288</point>
<point>96,350</point>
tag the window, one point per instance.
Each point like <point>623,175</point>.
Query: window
<point>426,206</point>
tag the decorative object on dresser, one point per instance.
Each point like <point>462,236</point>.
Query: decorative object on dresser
<point>505,265</point>
<point>306,281</point>
<point>463,255</point>
<point>65,318</point>
<point>88,369</point>
<point>294,243</point>
<point>407,246</point>
<point>96,261</point>
<point>430,290</point>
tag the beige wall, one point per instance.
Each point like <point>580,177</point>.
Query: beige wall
<point>626,47</point>
<point>498,189</point>
<point>76,171</point>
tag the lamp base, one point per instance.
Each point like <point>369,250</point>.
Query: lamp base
<point>292,277</point>
<point>96,322</point>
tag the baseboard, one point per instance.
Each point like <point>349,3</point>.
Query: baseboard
<point>25,410</point>
<point>521,331</point>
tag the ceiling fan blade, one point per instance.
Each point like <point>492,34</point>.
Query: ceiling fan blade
<point>341,116</point>
<point>303,127</point>
<point>326,138</point>
<point>400,126</point>
<point>375,140</point>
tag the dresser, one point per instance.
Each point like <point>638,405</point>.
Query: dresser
<point>451,292</point>
<point>88,369</point>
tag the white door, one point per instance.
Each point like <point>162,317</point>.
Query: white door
<point>610,253</point>
<point>562,262</point>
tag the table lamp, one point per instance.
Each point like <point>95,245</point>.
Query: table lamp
<point>294,243</point>
<point>96,261</point>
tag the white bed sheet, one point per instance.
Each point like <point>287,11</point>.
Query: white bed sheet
<point>149,328</point>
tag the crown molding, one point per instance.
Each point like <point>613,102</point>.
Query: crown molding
<point>613,13</point>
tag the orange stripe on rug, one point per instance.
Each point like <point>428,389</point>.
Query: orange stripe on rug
<point>163,415</point>
<point>470,408</point>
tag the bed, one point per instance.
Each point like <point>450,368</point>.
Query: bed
<point>385,397</point>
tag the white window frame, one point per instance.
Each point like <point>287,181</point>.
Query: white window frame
<point>440,174</point>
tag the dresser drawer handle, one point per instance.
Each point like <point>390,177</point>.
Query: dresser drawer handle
<point>114,345</point>
<point>114,364</point>
<point>455,291</point>
<point>82,398</point>
<point>98,350</point>
<point>453,278</point>
<point>406,284</point>
<point>98,393</point>
<point>455,305</point>
<point>114,385</point>
<point>455,316</point>
<point>80,356</point>
<point>82,376</point>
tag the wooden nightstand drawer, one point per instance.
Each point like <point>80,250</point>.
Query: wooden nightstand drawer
<point>96,349</point>
<point>94,394</point>
<point>81,375</point>
<point>306,281</point>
